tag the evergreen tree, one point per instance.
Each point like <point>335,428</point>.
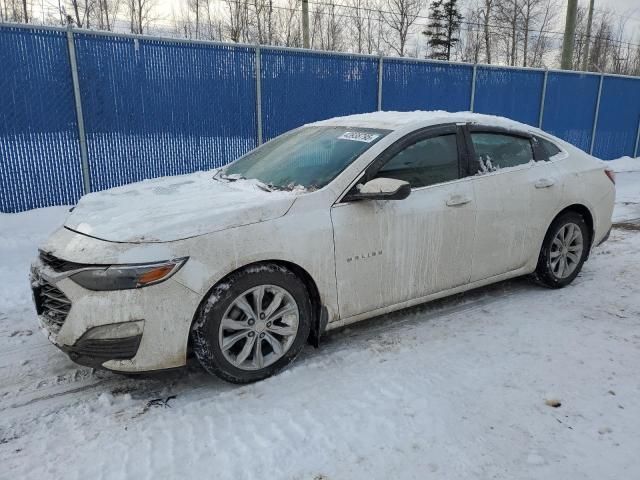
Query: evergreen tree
<point>443,28</point>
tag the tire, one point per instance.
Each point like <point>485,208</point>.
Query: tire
<point>550,271</point>
<point>242,361</point>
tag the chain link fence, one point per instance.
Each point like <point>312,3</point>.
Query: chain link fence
<point>83,111</point>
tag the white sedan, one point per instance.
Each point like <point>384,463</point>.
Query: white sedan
<point>329,224</point>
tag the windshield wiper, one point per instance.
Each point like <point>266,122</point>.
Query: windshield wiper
<point>267,187</point>
<point>229,178</point>
<point>236,176</point>
<point>264,186</point>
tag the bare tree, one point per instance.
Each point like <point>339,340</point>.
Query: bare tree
<point>507,17</point>
<point>486,14</point>
<point>195,6</point>
<point>327,27</point>
<point>286,25</point>
<point>141,14</point>
<point>634,67</point>
<point>514,32</point>
<point>106,12</point>
<point>263,13</point>
<point>471,39</point>
<point>358,23</point>
<point>533,13</point>
<point>399,16</point>
<point>197,19</point>
<point>214,24</point>
<point>621,57</point>
<point>610,47</point>
<point>183,25</point>
<point>83,11</point>
<point>517,31</point>
<point>541,41</point>
<point>581,39</point>
<point>374,28</point>
<point>602,46</point>
<point>237,21</point>
<point>16,10</point>
<point>11,11</point>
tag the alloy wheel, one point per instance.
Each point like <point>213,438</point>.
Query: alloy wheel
<point>259,327</point>
<point>566,250</point>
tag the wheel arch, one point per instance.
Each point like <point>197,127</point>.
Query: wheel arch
<point>585,212</point>
<point>319,312</point>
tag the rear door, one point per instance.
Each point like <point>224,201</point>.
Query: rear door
<point>516,192</point>
<point>388,252</point>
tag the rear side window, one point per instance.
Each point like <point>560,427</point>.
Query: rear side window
<point>498,150</point>
<point>427,162</point>
<point>550,148</point>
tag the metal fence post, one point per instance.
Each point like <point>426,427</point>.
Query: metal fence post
<point>635,150</point>
<point>80,117</point>
<point>258,95</point>
<point>595,117</point>
<point>542,99</point>
<point>473,88</point>
<point>380,62</point>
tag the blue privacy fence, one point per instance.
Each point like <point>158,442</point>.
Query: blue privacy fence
<point>83,111</point>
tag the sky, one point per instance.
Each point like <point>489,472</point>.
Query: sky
<point>620,5</point>
<point>627,8</point>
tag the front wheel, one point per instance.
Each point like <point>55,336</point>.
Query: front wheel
<point>564,250</point>
<point>253,324</point>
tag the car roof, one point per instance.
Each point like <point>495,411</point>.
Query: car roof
<point>418,118</point>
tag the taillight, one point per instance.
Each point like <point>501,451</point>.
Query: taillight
<point>611,174</point>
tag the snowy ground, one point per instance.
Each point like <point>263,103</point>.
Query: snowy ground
<point>454,389</point>
<point>627,188</point>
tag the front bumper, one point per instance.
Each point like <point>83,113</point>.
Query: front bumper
<point>67,312</point>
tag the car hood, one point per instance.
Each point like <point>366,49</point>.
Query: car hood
<point>174,208</point>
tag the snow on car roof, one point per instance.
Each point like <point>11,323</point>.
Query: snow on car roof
<point>398,120</point>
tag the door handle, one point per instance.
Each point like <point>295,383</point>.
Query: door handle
<point>544,183</point>
<point>457,200</point>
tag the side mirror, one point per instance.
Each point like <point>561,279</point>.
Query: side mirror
<point>380,189</point>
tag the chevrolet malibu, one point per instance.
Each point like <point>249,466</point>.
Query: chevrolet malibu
<point>329,224</point>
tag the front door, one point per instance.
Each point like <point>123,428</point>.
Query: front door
<point>388,252</point>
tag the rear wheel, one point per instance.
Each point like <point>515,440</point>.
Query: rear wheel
<point>564,250</point>
<point>253,324</point>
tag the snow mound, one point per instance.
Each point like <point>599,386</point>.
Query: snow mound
<point>624,164</point>
<point>394,120</point>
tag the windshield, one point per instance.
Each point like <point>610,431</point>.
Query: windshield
<point>310,157</point>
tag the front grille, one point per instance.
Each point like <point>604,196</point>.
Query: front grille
<point>58,264</point>
<point>52,305</point>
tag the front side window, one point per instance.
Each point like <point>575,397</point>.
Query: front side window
<point>310,157</point>
<point>427,162</point>
<point>497,150</point>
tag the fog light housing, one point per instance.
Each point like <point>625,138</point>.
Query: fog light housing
<point>115,331</point>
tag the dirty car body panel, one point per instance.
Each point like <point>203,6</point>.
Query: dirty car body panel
<point>463,225</point>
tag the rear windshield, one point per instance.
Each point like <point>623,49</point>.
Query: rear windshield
<point>310,157</point>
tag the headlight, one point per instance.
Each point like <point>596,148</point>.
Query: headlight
<point>125,277</point>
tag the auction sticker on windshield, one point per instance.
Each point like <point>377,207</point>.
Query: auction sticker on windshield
<point>359,136</point>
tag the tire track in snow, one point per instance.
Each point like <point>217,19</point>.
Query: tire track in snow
<point>346,340</point>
